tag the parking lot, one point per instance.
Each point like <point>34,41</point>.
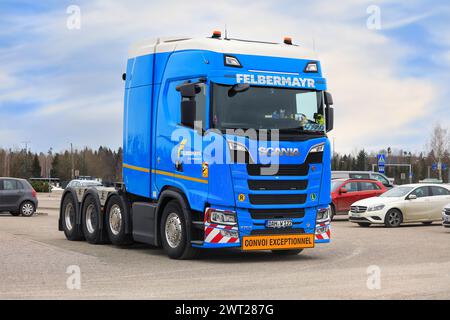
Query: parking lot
<point>412,261</point>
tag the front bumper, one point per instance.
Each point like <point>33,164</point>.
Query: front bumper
<point>373,217</point>
<point>224,236</point>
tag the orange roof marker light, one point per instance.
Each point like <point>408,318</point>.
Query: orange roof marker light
<point>288,40</point>
<point>217,34</point>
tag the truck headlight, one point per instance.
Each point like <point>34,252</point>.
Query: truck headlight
<point>323,214</point>
<point>377,207</point>
<point>317,148</point>
<point>221,217</point>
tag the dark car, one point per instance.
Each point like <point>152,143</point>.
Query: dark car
<point>18,197</point>
<point>344,192</point>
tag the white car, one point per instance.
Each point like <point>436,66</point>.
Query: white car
<point>446,216</point>
<point>402,204</point>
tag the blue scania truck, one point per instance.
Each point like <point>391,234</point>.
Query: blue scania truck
<point>224,145</point>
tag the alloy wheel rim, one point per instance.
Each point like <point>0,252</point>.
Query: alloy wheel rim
<point>115,219</point>
<point>173,230</point>
<point>69,216</point>
<point>27,209</point>
<point>91,218</point>
<point>394,218</point>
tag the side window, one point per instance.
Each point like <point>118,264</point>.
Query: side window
<point>382,179</point>
<point>439,191</point>
<point>1,185</point>
<point>368,186</point>
<point>351,186</point>
<point>359,176</point>
<point>421,192</point>
<point>10,185</point>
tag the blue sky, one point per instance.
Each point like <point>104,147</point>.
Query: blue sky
<point>61,86</point>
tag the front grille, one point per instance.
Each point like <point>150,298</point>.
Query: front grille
<point>277,198</point>
<point>265,232</point>
<point>283,169</point>
<point>277,184</point>
<point>277,213</point>
<point>358,209</point>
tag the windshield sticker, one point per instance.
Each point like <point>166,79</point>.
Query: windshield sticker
<point>278,81</point>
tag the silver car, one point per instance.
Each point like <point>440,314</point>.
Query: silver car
<point>446,216</point>
<point>17,197</point>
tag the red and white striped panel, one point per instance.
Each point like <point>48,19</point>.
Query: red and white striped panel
<point>326,235</point>
<point>213,235</point>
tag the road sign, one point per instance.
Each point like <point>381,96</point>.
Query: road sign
<point>381,168</point>
<point>434,167</point>
<point>403,176</point>
<point>381,159</point>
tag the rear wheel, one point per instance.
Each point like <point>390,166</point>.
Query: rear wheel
<point>27,208</point>
<point>393,218</point>
<point>71,229</point>
<point>428,223</point>
<point>115,216</point>
<point>364,224</point>
<point>293,252</point>
<point>175,232</point>
<point>91,222</point>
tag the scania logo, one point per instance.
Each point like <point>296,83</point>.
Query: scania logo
<point>279,151</point>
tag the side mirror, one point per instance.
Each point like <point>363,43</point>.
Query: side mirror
<point>188,92</point>
<point>240,87</point>
<point>329,111</point>
<point>412,197</point>
<point>343,190</point>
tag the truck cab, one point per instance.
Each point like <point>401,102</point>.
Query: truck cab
<point>225,145</point>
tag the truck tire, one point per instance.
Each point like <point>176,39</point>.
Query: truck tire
<point>27,209</point>
<point>175,235</point>
<point>332,212</point>
<point>393,218</point>
<point>91,222</point>
<point>115,216</point>
<point>72,230</point>
<point>292,252</point>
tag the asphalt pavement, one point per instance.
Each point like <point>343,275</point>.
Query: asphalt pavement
<point>410,262</point>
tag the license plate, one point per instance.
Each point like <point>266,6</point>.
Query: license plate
<point>274,242</point>
<point>279,223</point>
<point>355,214</point>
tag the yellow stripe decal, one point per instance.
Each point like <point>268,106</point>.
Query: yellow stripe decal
<point>129,166</point>
<point>180,176</point>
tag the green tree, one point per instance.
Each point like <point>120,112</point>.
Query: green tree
<point>36,167</point>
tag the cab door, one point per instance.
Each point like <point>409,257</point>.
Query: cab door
<point>440,197</point>
<point>179,149</point>
<point>418,209</point>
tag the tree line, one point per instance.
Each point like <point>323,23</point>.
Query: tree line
<point>103,163</point>
<point>106,164</point>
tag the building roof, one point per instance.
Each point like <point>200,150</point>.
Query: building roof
<point>231,46</point>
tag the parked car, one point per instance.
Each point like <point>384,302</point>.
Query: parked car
<point>83,183</point>
<point>344,192</point>
<point>446,216</point>
<point>402,204</point>
<point>18,197</point>
<point>387,182</point>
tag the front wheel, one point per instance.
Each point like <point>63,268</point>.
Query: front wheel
<point>175,233</point>
<point>27,209</point>
<point>428,223</point>
<point>364,224</point>
<point>393,218</point>
<point>292,252</point>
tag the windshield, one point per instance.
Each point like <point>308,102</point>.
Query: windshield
<point>268,108</point>
<point>335,185</point>
<point>397,192</point>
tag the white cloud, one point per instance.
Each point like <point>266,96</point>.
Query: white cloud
<point>76,73</point>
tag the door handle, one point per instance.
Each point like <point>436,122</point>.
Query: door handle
<point>179,166</point>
